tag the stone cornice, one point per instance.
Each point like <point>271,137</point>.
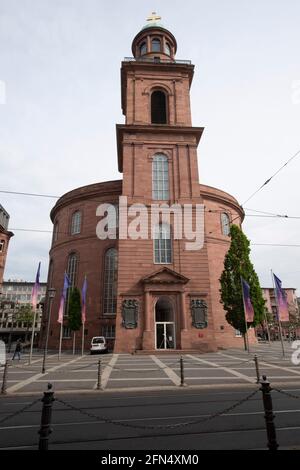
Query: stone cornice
<point>107,188</point>
<point>121,129</point>
<point>217,195</point>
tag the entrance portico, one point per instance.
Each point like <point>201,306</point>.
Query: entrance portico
<point>164,310</point>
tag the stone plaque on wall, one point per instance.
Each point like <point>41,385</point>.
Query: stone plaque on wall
<point>130,313</point>
<point>199,313</point>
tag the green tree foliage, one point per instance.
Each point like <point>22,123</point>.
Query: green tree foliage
<point>237,263</point>
<point>74,310</point>
<point>25,314</point>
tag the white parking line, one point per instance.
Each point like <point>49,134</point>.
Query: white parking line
<point>35,377</point>
<point>107,371</point>
<point>167,370</point>
<point>226,369</point>
<point>265,363</point>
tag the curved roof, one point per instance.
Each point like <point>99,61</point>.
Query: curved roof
<point>153,24</point>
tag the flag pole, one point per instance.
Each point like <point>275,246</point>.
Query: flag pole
<point>278,314</point>
<point>34,298</point>
<point>246,333</point>
<point>32,336</point>
<point>60,340</point>
<point>82,340</point>
<point>267,325</point>
<point>83,311</point>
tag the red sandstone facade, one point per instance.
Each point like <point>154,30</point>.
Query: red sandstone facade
<point>134,300</point>
<point>5,236</point>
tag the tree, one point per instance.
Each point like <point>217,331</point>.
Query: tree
<point>74,312</point>
<point>237,264</point>
<point>25,315</point>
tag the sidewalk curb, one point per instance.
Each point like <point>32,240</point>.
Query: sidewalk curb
<point>153,389</point>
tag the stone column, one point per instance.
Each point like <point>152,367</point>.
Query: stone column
<point>148,44</point>
<point>183,311</point>
<point>147,313</point>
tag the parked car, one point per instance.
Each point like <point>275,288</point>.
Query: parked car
<point>98,345</point>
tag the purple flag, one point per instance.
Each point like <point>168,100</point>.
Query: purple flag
<point>283,310</point>
<point>248,307</point>
<point>63,299</point>
<point>35,289</point>
<point>83,296</point>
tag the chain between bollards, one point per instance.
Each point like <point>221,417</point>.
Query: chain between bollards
<point>181,372</point>
<point>45,429</point>
<point>269,415</point>
<point>4,379</point>
<point>256,369</point>
<point>99,375</point>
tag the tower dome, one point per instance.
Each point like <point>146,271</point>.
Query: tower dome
<point>154,41</point>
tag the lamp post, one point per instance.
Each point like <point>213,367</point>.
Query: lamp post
<point>51,294</point>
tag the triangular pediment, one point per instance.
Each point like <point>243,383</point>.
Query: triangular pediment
<point>165,276</point>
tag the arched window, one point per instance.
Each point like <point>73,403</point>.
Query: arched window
<point>160,177</point>
<point>162,244</point>
<point>158,108</point>
<point>72,274</point>
<point>225,222</point>
<point>143,48</point>
<point>72,268</point>
<point>110,282</point>
<point>113,217</point>
<point>76,223</point>
<point>155,45</point>
<point>2,245</point>
<point>167,48</point>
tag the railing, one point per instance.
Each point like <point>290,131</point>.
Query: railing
<point>157,60</point>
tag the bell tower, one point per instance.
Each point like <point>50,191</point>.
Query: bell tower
<point>155,90</point>
<point>157,154</point>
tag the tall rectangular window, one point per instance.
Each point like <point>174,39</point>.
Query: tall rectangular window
<point>162,244</point>
<point>110,282</point>
<point>160,178</point>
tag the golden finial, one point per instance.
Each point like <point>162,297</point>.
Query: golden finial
<point>153,17</point>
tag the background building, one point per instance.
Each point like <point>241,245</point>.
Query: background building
<point>270,298</point>
<point>15,322</point>
<point>5,236</point>
<point>148,294</point>
<point>290,329</point>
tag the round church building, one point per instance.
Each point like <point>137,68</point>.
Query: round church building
<point>151,246</point>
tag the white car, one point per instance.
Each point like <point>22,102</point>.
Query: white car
<point>98,345</point>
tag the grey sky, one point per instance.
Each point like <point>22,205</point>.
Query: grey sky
<point>60,62</point>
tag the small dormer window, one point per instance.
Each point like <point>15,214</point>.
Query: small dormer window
<point>143,48</point>
<point>156,45</point>
<point>167,49</point>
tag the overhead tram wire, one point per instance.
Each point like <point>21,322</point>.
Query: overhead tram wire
<point>276,244</point>
<point>271,177</point>
<point>250,197</point>
<point>29,194</point>
<point>206,210</point>
<point>264,212</point>
<point>67,233</point>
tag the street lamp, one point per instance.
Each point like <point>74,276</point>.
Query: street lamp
<point>51,295</point>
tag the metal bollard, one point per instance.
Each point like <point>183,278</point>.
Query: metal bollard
<point>269,415</point>
<point>45,428</point>
<point>181,372</point>
<point>256,368</point>
<point>99,375</point>
<point>4,379</point>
